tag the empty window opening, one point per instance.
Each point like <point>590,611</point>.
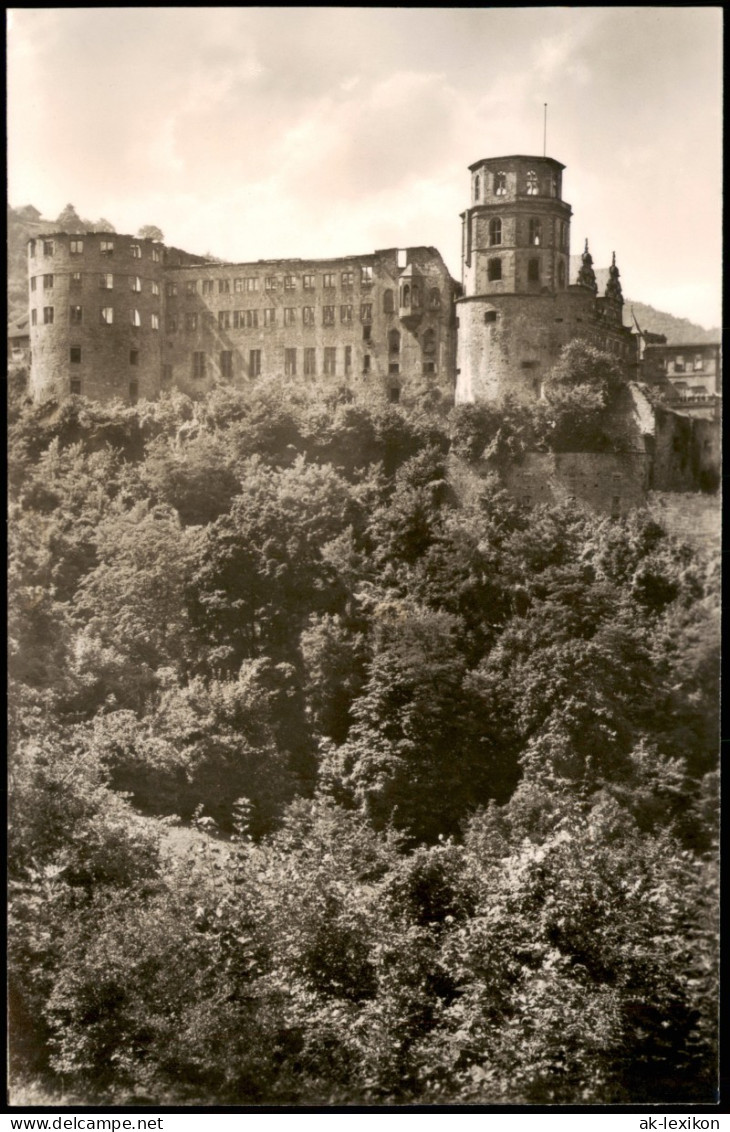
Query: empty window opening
<point>75,388</point>
<point>47,316</point>
<point>366,275</point>
<point>346,313</point>
<point>366,363</point>
<point>394,367</point>
<point>535,232</point>
<point>348,358</point>
<point>308,282</point>
<point>394,394</point>
<point>224,287</point>
<point>133,392</point>
<point>490,316</point>
<point>135,251</point>
<point>75,315</point>
<point>136,283</point>
<point>226,363</point>
<point>366,332</point>
<point>106,247</point>
<point>429,367</point>
<point>532,183</point>
<point>402,257</point>
<point>366,312</point>
<point>388,303</point>
<point>500,184</point>
<point>254,363</point>
<point>106,282</point>
<point>290,282</point>
<point>328,316</point>
<point>155,321</point>
<point>75,355</point>
<point>290,362</point>
<point>330,361</point>
<point>393,342</point>
<point>310,362</point>
<point>406,295</point>
<point>308,316</point>
<point>76,247</point>
<point>494,270</point>
<point>429,341</point>
<point>198,364</point>
<point>533,270</point>
<point>434,299</point>
<point>134,357</point>
<point>134,318</point>
<point>495,231</point>
<point>47,282</point>
<point>328,280</point>
<point>290,316</point>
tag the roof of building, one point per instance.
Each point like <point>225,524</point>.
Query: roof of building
<point>516,157</point>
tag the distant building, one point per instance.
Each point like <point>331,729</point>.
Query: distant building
<point>689,376</point>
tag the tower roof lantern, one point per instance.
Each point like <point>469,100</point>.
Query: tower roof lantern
<point>516,157</point>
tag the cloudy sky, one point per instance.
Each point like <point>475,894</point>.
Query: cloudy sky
<point>261,132</point>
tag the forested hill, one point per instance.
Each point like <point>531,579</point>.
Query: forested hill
<point>460,755</point>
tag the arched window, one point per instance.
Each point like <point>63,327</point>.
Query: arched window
<point>494,270</point>
<point>434,298</point>
<point>533,270</point>
<point>388,305</point>
<point>416,297</point>
<point>477,186</point>
<point>393,342</point>
<point>561,273</point>
<point>532,183</point>
<point>429,341</point>
<point>500,184</point>
<point>535,232</point>
<point>495,231</point>
<point>406,295</point>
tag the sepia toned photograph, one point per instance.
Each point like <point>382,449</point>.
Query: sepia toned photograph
<point>364,471</point>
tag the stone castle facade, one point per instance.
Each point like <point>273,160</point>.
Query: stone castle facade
<point>120,317</point>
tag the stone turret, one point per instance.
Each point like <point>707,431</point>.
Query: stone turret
<point>586,275</point>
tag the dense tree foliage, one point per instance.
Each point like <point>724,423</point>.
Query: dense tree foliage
<point>334,782</point>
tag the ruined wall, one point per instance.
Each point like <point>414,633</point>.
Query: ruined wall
<point>694,518</point>
<point>687,455</point>
<point>340,317</point>
<point>608,483</point>
<point>76,277</point>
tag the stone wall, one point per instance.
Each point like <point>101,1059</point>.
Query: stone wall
<point>694,518</point>
<point>608,483</point>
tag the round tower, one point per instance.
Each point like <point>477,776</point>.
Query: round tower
<point>95,312</point>
<point>515,263</point>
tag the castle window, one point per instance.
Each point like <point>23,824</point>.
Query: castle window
<point>134,318</point>
<point>388,302</point>
<point>254,363</point>
<point>226,363</point>
<point>366,363</point>
<point>33,317</point>
<point>679,363</point>
<point>156,255</point>
<point>198,364</point>
<point>290,363</point>
<point>415,296</point>
<point>290,282</point>
<point>47,282</point>
<point>394,394</point>
<point>494,270</point>
<point>310,363</point>
<point>500,184</point>
<point>308,282</point>
<point>135,251</point>
<point>328,316</point>
<point>75,281</point>
<point>133,392</point>
<point>346,313</point>
<point>393,342</point>
<point>490,316</point>
<point>330,361</point>
<point>406,295</point>
<point>47,316</point>
<point>434,299</point>
<point>155,288</point>
<point>224,287</point>
<point>394,367</point>
<point>429,367</point>
<point>367,332</point>
<point>136,283</point>
<point>107,315</point>
<point>698,363</point>
<point>208,286</point>
<point>48,247</point>
<point>171,289</point>
<point>75,388</point>
<point>348,358</point>
<point>561,274</point>
<point>348,279</point>
<point>366,275</point>
<point>191,321</point>
<point>328,279</point>
<point>251,283</point>
<point>495,231</point>
<point>224,320</point>
<point>74,355</point>
<point>76,247</point>
<point>75,315</point>
<point>477,187</point>
<point>252,320</point>
<point>429,341</point>
<point>366,312</point>
<point>533,187</point>
<point>535,232</point>
<point>270,316</point>
<point>134,357</point>
<point>31,249</point>
<point>238,286</point>
<point>106,282</point>
<point>191,288</point>
<point>554,185</point>
<point>308,316</point>
<point>270,283</point>
<point>533,270</point>
<point>290,316</point>
<point>33,283</point>
<point>155,321</point>
<point>106,247</point>
<point>166,374</point>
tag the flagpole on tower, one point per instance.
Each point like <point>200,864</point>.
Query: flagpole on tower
<point>544,131</point>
